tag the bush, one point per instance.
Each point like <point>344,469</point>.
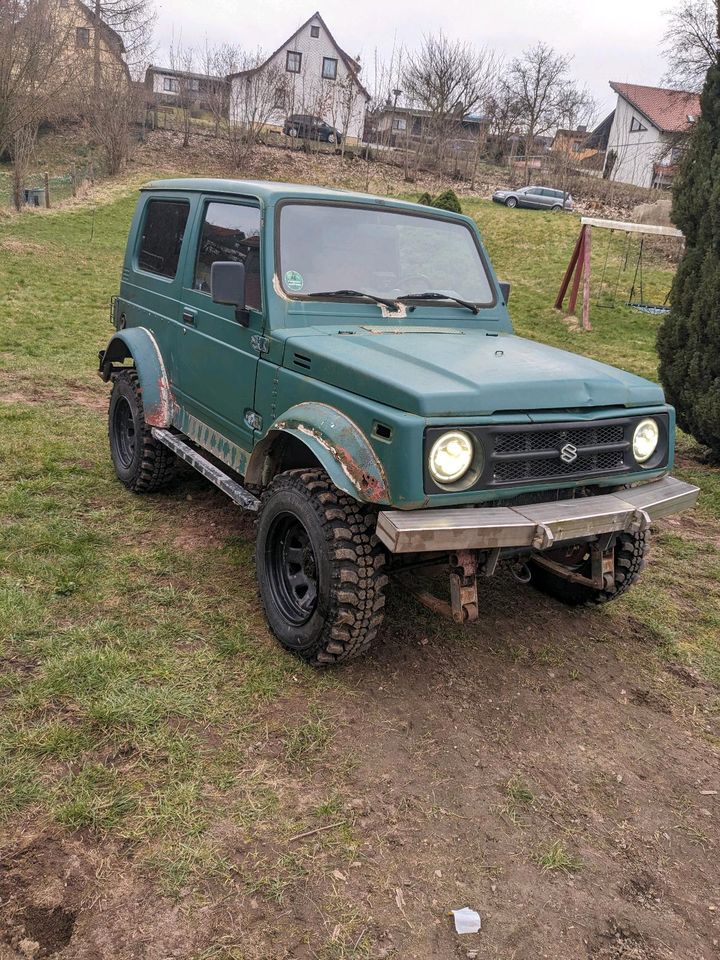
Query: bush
<point>444,201</point>
<point>689,338</point>
<point>448,201</point>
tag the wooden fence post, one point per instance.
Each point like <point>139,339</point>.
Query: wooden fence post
<point>586,280</point>
<point>73,177</point>
<point>46,178</point>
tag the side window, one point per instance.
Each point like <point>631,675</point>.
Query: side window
<point>162,236</point>
<point>230,232</point>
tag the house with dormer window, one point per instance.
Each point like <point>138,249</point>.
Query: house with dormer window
<point>311,75</point>
<point>648,133</point>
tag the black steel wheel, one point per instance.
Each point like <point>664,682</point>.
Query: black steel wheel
<point>123,433</point>
<point>292,569</point>
<point>320,568</point>
<point>141,462</point>
<point>630,558</point>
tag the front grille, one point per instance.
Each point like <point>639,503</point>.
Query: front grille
<point>530,454</point>
<point>531,441</point>
<point>545,468</point>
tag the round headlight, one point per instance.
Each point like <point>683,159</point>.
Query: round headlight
<point>450,457</point>
<point>645,440</point>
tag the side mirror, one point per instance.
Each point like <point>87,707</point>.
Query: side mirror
<point>227,285</point>
<point>505,290</point>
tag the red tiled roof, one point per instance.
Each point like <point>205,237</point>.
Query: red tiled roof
<point>668,110</point>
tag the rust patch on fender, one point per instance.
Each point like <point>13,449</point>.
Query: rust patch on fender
<point>160,414</point>
<point>373,489</point>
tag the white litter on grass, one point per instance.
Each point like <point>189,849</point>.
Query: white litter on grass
<point>466,920</point>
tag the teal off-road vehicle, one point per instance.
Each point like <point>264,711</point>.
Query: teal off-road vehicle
<point>345,365</point>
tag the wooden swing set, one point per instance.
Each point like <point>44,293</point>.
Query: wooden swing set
<point>578,268</point>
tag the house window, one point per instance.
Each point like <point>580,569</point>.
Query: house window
<point>293,61</point>
<point>636,126</point>
<point>399,123</point>
<point>194,85</point>
<point>171,85</point>
<point>82,37</point>
<point>279,102</point>
<point>315,31</point>
<point>329,69</point>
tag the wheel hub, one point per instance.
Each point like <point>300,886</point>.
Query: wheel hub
<point>293,569</point>
<point>124,433</point>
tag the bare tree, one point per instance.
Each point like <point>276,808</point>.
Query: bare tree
<point>256,92</point>
<point>690,43</point>
<point>448,79</point>
<point>112,110</point>
<point>133,21</point>
<point>218,63</point>
<point>182,62</point>
<point>503,112</point>
<point>539,85</point>
<point>36,72</point>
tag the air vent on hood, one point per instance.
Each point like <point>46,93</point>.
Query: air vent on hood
<point>300,360</point>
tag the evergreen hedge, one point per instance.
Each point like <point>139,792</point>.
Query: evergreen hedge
<point>689,338</point>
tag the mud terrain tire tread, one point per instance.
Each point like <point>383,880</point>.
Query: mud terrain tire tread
<point>631,551</point>
<point>156,465</point>
<point>356,560</point>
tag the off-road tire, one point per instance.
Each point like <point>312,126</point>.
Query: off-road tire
<point>145,465</point>
<point>631,551</point>
<point>511,202</point>
<point>347,556</point>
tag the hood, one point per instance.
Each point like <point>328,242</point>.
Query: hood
<point>435,372</point>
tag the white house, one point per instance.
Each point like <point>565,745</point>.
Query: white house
<point>308,74</point>
<point>648,133</point>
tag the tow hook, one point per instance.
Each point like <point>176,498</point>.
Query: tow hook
<point>521,572</point>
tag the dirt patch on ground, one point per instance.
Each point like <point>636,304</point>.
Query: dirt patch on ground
<point>14,245</point>
<point>17,389</point>
<point>459,761</point>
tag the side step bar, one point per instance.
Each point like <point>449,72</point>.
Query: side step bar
<point>232,488</point>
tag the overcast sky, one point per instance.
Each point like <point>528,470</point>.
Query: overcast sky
<point>609,40</point>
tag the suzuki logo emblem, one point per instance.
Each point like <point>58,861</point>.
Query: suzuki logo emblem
<point>569,453</point>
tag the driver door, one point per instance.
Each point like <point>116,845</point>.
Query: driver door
<point>216,362</point>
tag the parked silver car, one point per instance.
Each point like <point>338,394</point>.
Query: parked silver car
<point>539,198</point>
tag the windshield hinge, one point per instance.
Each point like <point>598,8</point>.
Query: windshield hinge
<point>260,343</point>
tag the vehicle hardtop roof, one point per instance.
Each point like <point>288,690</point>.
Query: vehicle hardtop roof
<point>271,191</point>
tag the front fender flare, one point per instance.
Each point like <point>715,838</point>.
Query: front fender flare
<point>336,442</point>
<point>139,344</point>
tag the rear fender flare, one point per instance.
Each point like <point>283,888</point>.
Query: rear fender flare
<point>337,443</point>
<point>140,345</point>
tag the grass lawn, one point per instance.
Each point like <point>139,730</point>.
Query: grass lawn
<point>137,679</point>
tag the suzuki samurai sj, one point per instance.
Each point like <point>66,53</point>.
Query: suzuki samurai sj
<point>345,365</point>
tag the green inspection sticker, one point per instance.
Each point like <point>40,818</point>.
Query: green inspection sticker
<point>294,281</point>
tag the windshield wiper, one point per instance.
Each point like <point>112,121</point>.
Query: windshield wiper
<point>430,295</point>
<point>390,304</point>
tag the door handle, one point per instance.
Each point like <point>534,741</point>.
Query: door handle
<point>188,317</point>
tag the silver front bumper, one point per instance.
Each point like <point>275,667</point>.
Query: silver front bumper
<point>537,525</point>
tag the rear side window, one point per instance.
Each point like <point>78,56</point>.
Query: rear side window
<point>162,236</point>
<point>230,232</point>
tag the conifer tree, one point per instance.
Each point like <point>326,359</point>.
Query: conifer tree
<point>689,338</point>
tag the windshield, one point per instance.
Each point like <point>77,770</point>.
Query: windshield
<point>382,253</point>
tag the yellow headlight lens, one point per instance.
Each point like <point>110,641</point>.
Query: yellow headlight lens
<point>450,457</point>
<point>645,440</point>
